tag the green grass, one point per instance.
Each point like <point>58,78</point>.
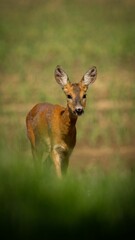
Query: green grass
<point>35,37</point>
<point>35,204</point>
<point>67,32</point>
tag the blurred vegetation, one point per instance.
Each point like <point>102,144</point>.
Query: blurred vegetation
<point>36,205</point>
<point>35,36</point>
<point>38,35</point>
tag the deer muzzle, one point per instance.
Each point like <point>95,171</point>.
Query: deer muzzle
<point>79,111</point>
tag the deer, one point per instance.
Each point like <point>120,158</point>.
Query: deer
<point>51,128</point>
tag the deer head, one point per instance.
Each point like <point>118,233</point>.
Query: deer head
<point>75,92</point>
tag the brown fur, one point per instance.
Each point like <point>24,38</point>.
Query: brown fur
<point>51,128</point>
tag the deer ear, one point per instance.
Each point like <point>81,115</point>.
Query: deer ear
<point>60,76</point>
<point>89,77</point>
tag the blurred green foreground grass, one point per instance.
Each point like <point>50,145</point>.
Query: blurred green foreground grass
<point>36,205</point>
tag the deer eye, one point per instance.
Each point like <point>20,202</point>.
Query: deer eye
<point>69,96</point>
<point>84,96</point>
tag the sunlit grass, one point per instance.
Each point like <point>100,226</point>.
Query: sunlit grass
<point>47,33</point>
<point>35,37</point>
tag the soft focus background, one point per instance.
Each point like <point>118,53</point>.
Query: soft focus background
<point>35,36</point>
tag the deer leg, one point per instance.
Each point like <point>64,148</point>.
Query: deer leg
<point>64,164</point>
<point>57,162</point>
<point>61,159</point>
<point>37,154</point>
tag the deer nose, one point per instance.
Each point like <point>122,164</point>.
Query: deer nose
<point>79,110</point>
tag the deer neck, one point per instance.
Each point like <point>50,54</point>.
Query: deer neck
<point>69,118</point>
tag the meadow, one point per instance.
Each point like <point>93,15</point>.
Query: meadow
<point>97,198</point>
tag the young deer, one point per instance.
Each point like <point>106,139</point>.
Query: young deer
<point>51,128</point>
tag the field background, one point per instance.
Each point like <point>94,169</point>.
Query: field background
<point>35,36</point>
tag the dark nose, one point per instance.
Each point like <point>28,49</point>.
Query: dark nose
<point>79,111</point>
